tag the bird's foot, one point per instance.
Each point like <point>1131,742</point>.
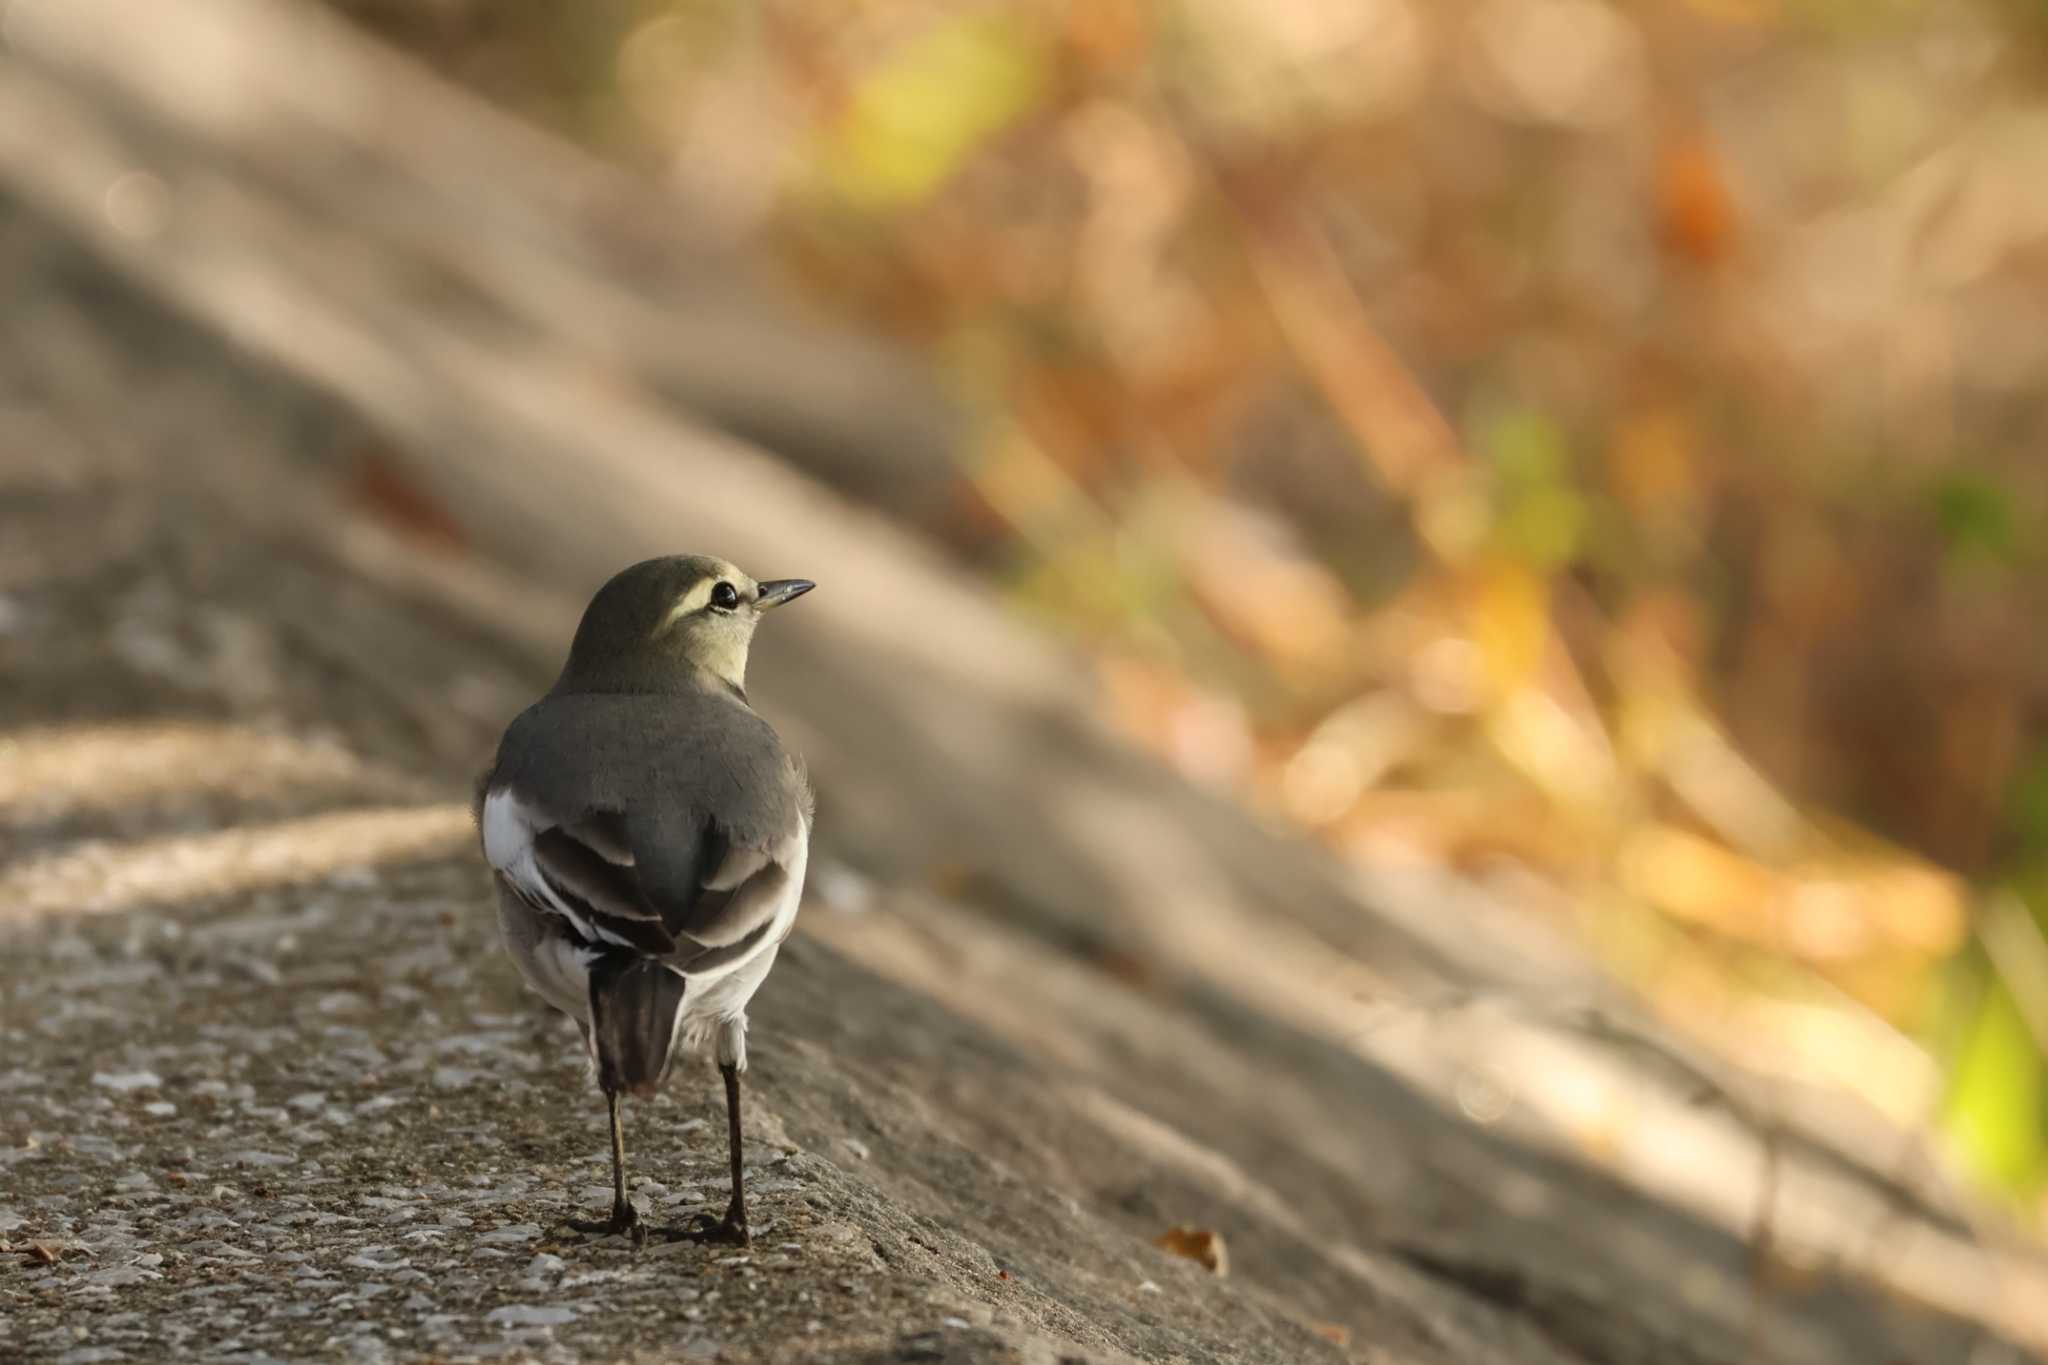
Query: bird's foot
<point>730,1230</point>
<point>625,1218</point>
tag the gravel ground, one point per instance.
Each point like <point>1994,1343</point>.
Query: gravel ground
<point>321,1123</point>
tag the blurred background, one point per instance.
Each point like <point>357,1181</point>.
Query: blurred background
<point>1595,445</point>
<point>1575,465</point>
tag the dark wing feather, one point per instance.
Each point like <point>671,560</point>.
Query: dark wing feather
<point>606,894</point>
<point>714,959</point>
<point>730,914</point>
<point>674,852</point>
<point>712,892</point>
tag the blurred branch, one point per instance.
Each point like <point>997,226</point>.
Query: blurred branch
<point>1406,441</point>
<point>164,112</point>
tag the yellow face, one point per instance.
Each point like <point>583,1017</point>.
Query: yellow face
<point>712,620</point>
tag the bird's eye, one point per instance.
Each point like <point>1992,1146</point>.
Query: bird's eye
<point>725,597</point>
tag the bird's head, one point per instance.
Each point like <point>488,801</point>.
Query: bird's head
<point>663,623</point>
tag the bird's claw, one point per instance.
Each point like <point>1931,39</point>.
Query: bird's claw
<point>730,1230</point>
<point>625,1218</point>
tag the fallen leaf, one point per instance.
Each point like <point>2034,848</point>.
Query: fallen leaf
<point>1334,1332</point>
<point>1204,1245</point>
<point>389,492</point>
<point>1695,210</point>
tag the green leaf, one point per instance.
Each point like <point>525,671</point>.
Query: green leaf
<point>1541,517</point>
<point>1545,527</point>
<point>1976,518</point>
<point>915,119</point>
<point>1996,1092</point>
<point>1528,449</point>
<point>2027,806</point>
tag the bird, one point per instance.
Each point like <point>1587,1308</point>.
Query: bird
<point>647,834</point>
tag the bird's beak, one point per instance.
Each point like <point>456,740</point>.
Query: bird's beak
<point>777,591</point>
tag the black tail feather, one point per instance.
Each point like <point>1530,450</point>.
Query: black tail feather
<point>634,1001</point>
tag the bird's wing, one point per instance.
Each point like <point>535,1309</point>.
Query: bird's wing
<point>660,884</point>
<point>675,826</point>
<point>580,869</point>
<point>720,898</point>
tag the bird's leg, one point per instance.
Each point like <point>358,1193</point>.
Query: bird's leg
<point>625,1218</point>
<point>736,1208</point>
<point>733,1227</point>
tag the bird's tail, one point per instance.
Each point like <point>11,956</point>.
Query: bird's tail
<point>635,1004</point>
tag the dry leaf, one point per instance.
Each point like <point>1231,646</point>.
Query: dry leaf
<point>394,496</point>
<point>1204,1245</point>
<point>1695,210</point>
<point>1334,1332</point>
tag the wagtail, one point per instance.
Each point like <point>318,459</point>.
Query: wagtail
<point>648,833</point>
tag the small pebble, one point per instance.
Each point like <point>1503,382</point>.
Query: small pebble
<point>527,1315</point>
<point>125,1081</point>
<point>515,1232</point>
